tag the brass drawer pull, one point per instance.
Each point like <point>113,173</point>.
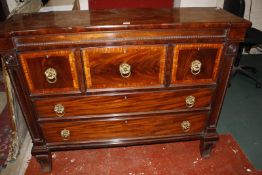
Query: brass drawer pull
<point>185,125</point>
<point>190,101</point>
<point>59,110</point>
<point>65,134</point>
<point>125,70</point>
<point>196,67</point>
<point>51,75</point>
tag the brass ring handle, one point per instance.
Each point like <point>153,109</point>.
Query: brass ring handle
<point>196,67</point>
<point>65,134</point>
<point>59,110</point>
<point>190,101</point>
<point>125,70</point>
<point>185,125</point>
<point>51,75</point>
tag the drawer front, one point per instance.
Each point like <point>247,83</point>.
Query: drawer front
<point>125,66</point>
<point>151,126</point>
<point>50,71</point>
<point>130,103</point>
<point>196,63</point>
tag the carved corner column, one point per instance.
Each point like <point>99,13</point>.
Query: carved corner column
<point>42,154</point>
<point>210,136</point>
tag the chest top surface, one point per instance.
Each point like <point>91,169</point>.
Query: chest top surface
<point>103,20</point>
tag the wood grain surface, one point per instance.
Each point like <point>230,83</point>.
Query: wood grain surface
<point>208,54</point>
<point>34,65</point>
<point>150,126</point>
<point>105,20</point>
<point>102,66</point>
<point>127,103</point>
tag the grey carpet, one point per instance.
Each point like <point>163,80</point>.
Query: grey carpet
<point>242,112</point>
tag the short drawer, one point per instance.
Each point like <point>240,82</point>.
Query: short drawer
<point>126,103</point>
<point>51,71</point>
<point>125,66</point>
<point>164,125</point>
<point>196,63</point>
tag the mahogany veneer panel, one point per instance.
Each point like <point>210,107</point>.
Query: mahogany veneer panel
<point>208,54</point>
<point>161,125</point>
<point>102,66</point>
<point>35,64</point>
<point>127,103</point>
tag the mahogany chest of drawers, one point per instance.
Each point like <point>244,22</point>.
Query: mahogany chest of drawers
<point>92,79</point>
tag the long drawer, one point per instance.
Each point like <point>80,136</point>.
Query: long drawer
<point>127,103</point>
<point>165,125</point>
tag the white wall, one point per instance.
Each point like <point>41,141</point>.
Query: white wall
<point>256,13</point>
<point>27,6</point>
<point>58,5</point>
<point>84,4</point>
<point>12,4</point>
<point>197,3</point>
<point>64,5</point>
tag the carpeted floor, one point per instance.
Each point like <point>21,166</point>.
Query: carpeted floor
<point>2,93</point>
<point>180,158</point>
<point>5,137</point>
<point>5,128</point>
<point>241,113</point>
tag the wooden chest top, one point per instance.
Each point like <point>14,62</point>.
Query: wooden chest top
<point>104,20</point>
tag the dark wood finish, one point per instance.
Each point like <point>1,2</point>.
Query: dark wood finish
<point>5,44</point>
<point>34,65</point>
<point>108,20</point>
<point>11,64</point>
<point>102,66</point>
<point>150,126</point>
<point>43,156</point>
<point>208,54</point>
<point>125,103</point>
<point>103,109</point>
<point>45,161</point>
<point>127,37</point>
<point>207,143</point>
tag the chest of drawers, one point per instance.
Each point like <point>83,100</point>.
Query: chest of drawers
<point>92,79</point>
